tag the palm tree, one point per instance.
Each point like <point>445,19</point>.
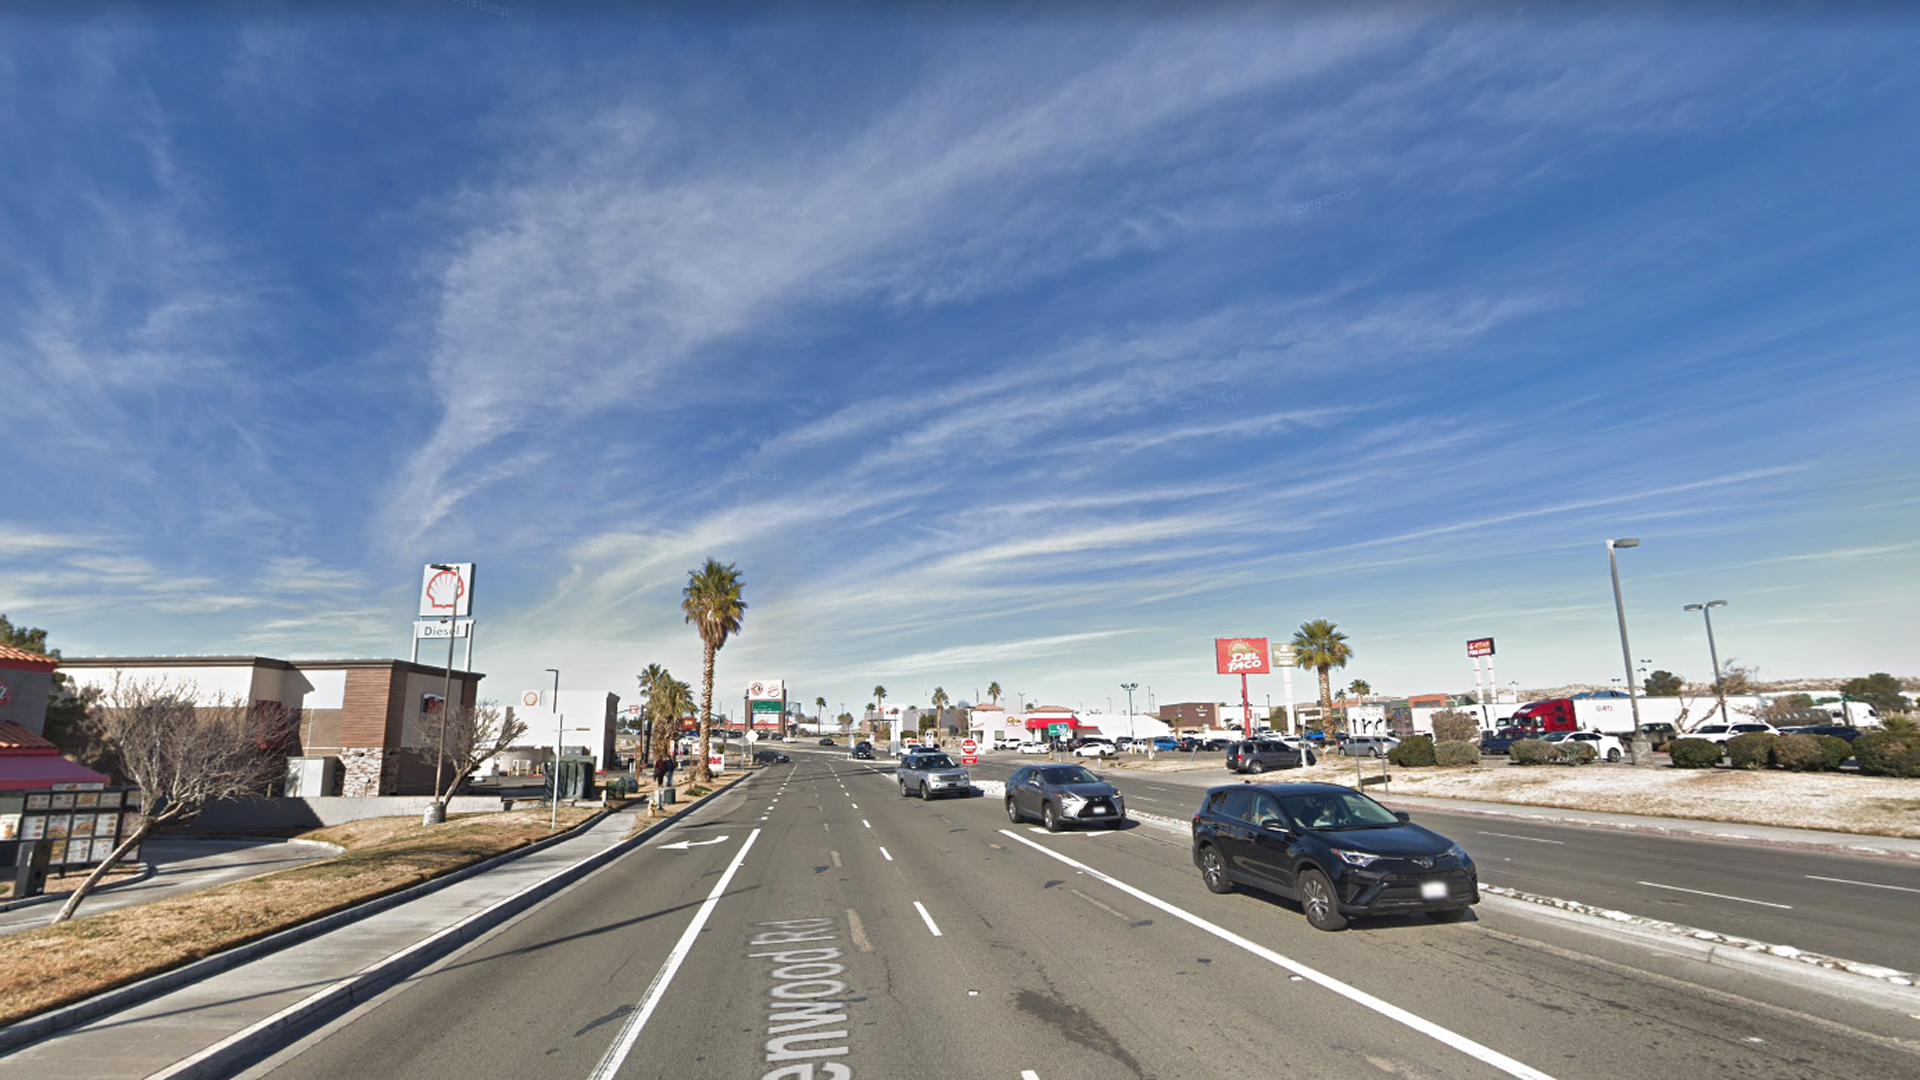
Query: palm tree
<point>712,603</point>
<point>820,704</point>
<point>1318,645</point>
<point>676,701</point>
<point>879,717</point>
<point>993,691</point>
<point>939,700</point>
<point>1360,688</point>
<point>652,681</point>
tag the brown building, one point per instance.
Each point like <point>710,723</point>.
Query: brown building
<point>1190,715</point>
<point>365,713</point>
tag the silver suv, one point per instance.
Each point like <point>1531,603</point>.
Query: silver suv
<point>928,774</point>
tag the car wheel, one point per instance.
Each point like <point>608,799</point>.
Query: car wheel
<point>903,789</point>
<point>1452,914</point>
<point>1316,899</point>
<point>1213,871</point>
<point>1311,760</point>
<point>1051,818</point>
<point>1258,766</point>
<point>923,791</point>
<point>1613,756</point>
<point>1013,812</point>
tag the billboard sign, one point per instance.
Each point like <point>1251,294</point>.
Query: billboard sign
<point>1482,646</point>
<point>447,592</point>
<point>767,690</point>
<point>1241,655</point>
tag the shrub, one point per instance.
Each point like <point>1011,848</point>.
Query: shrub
<point>1456,752</point>
<point>1800,753</point>
<point>1414,751</point>
<point>1835,750</point>
<point>1578,753</point>
<point>1534,752</point>
<point>1695,753</point>
<point>1750,751</point>
<point>1888,753</point>
<point>1452,725</point>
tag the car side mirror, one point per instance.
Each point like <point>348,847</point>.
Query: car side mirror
<point>1403,815</point>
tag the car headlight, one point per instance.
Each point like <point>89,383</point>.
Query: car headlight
<point>1356,858</point>
<point>1071,804</point>
<point>1460,853</point>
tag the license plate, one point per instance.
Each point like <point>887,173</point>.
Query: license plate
<point>1099,809</point>
<point>1433,890</point>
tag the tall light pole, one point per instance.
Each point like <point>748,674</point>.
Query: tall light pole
<point>553,774</point>
<point>1642,750</point>
<point>1130,687</point>
<point>1706,612</point>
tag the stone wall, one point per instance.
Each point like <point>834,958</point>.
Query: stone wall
<point>366,772</point>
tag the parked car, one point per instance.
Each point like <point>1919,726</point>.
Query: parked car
<point>1501,741</point>
<point>1838,731</point>
<point>930,773</point>
<point>1720,733</point>
<point>1607,747</point>
<point>862,751</point>
<point>1164,743</point>
<point>1218,742</point>
<point>1096,749</point>
<point>1060,795</point>
<point>826,742</point>
<point>1661,735</point>
<point>1368,745</point>
<point>1033,746</point>
<point>1339,853</point>
<point>1007,742</point>
<point>1259,755</point>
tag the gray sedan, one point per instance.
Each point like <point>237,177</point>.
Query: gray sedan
<point>1061,794</point>
<point>928,775</point>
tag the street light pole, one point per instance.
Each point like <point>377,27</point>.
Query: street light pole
<point>1130,688</point>
<point>1642,750</point>
<point>1706,612</point>
<point>553,774</point>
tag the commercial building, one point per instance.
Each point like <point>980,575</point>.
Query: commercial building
<point>1191,717</point>
<point>366,714</point>
<point>26,683</point>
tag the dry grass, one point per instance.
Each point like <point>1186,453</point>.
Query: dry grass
<point>56,965</point>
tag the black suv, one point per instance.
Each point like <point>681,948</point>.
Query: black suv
<point>1259,755</point>
<point>1501,742</point>
<point>1338,852</point>
<point>862,751</point>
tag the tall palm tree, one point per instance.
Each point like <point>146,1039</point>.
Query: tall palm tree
<point>879,715</point>
<point>676,701</point>
<point>713,605</point>
<point>1360,688</point>
<point>1318,645</point>
<point>993,691</point>
<point>939,700</point>
<point>652,680</point>
<point>820,704</point>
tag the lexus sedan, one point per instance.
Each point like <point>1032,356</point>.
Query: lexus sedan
<point>1060,795</point>
<point>1339,853</point>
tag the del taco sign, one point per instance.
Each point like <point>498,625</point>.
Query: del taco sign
<point>1241,655</point>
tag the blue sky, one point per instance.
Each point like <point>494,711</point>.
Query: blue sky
<point>988,347</point>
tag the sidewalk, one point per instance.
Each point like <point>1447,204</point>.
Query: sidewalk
<point>179,866</point>
<point>154,1035</point>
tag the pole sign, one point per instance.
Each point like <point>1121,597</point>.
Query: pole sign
<point>438,629</point>
<point>447,592</point>
<point>1285,656</point>
<point>1480,647</point>
<point>1241,655</point>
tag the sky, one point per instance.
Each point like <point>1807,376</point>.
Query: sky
<point>1037,346</point>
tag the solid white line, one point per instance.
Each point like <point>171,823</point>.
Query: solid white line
<point>922,909</point>
<point>1510,836</point>
<point>630,1033</point>
<point>1868,884</point>
<point>1715,895</point>
<point>1360,997</point>
<point>883,852</point>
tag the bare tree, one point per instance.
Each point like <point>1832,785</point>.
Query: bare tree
<point>183,756</point>
<point>461,739</point>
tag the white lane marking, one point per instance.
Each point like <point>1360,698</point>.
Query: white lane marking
<point>883,852</point>
<point>856,806</point>
<point>1868,884</point>
<point>1392,1012</point>
<point>630,1032</point>
<point>928,919</point>
<point>858,931</point>
<point>836,857</point>
<point>1029,1074</point>
<point>867,823</point>
<point>1715,895</point>
<point>1510,836</point>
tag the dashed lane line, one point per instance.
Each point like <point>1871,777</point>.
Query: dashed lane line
<point>884,855</point>
<point>1868,884</point>
<point>1445,1036</point>
<point>1510,836</point>
<point>926,918</point>
<point>1715,895</point>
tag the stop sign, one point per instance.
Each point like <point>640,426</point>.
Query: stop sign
<point>969,747</point>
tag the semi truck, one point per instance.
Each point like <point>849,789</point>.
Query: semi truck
<point>1614,715</point>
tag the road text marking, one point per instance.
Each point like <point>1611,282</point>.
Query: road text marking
<point>1392,1012</point>
<point>630,1032</point>
<point>928,919</point>
<point>1715,895</point>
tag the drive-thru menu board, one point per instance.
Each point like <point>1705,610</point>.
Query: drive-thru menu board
<point>80,825</point>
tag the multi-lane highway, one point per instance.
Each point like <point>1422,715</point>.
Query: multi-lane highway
<point>811,923</point>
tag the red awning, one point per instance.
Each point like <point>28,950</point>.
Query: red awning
<point>1040,723</point>
<point>35,772</point>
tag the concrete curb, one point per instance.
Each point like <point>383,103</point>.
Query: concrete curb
<point>253,1043</point>
<point>1701,833</point>
<point>146,871</point>
<point>34,1028</point>
<point>1885,985</point>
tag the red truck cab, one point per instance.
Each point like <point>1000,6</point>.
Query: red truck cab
<point>1553,714</point>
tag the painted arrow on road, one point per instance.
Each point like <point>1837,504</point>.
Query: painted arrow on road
<point>685,844</point>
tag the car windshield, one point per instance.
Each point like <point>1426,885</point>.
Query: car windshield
<point>1335,810</point>
<point>933,761</point>
<point>1068,774</point>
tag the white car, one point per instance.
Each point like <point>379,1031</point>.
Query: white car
<point>1607,747</point>
<point>1007,742</point>
<point>1032,747</point>
<point>1720,733</point>
<point>1096,749</point>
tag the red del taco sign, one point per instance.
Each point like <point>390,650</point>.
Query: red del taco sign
<point>1241,655</point>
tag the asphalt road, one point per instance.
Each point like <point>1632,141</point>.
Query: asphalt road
<point>1852,907</point>
<point>816,924</point>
